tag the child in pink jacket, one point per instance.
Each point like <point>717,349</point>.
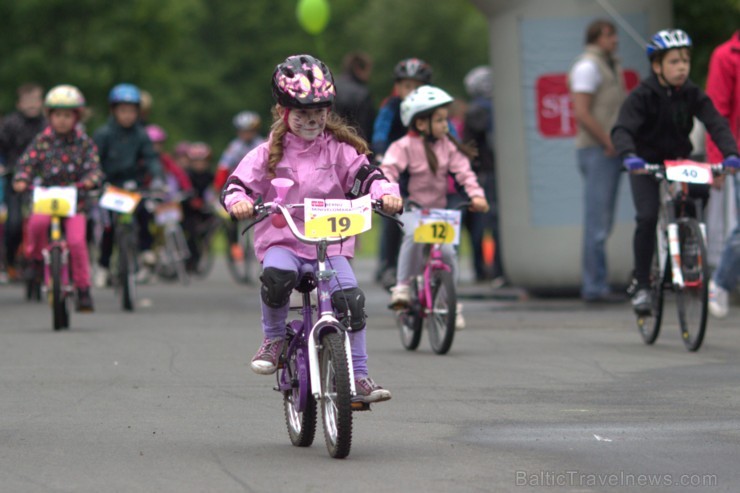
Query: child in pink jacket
<point>325,159</point>
<point>428,154</point>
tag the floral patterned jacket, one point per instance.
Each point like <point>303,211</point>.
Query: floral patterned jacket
<point>60,160</point>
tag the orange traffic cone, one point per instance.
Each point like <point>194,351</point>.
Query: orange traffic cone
<point>489,250</point>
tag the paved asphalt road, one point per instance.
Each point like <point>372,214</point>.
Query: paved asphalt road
<point>536,395</point>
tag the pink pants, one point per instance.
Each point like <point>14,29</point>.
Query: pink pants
<point>37,239</point>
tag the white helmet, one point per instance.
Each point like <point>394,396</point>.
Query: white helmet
<point>247,120</point>
<point>421,100</point>
<point>478,81</point>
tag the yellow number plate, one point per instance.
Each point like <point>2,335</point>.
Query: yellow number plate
<point>340,224</point>
<point>434,232</point>
<point>55,201</point>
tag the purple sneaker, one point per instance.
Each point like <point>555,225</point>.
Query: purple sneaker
<point>266,360</point>
<point>368,391</point>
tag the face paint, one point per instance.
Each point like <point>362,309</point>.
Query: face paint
<point>307,124</point>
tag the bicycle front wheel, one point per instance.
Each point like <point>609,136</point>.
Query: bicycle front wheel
<point>692,299</point>
<point>441,320</point>
<point>127,271</point>
<point>60,315</point>
<point>336,404</point>
<point>409,320</point>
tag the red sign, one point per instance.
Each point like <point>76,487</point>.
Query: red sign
<point>555,117</point>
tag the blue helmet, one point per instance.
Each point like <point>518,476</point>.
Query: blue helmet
<point>124,93</point>
<point>667,40</point>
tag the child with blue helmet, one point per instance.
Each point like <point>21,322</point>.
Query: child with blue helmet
<point>654,124</point>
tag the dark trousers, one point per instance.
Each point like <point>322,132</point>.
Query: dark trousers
<point>645,196</point>
<point>143,217</point>
<point>14,223</point>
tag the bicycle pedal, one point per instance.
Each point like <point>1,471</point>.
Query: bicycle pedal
<point>360,406</point>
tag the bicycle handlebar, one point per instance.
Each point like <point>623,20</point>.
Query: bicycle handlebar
<point>261,211</point>
<point>461,206</point>
<point>659,169</point>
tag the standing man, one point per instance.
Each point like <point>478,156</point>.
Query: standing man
<point>723,87</point>
<point>597,85</point>
<point>353,101</point>
<point>17,131</point>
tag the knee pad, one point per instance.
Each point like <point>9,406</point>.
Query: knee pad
<point>349,305</point>
<point>277,285</point>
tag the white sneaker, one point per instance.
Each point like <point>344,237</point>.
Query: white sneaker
<point>459,319</point>
<point>148,258</point>
<point>100,279</point>
<point>143,275</point>
<point>719,303</point>
<point>400,295</point>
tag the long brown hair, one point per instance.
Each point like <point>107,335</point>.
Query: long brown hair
<point>334,124</point>
<point>470,151</point>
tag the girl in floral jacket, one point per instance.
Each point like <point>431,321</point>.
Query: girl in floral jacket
<point>61,155</point>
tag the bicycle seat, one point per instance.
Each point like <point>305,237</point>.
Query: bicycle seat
<point>306,279</point>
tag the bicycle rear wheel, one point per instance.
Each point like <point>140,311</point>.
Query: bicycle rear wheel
<point>692,300</point>
<point>239,254</point>
<point>58,301</point>
<point>441,320</point>
<point>409,320</point>
<point>649,326</point>
<point>336,404</point>
<point>301,424</point>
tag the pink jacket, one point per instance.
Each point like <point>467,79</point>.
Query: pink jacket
<point>323,168</point>
<point>425,188</point>
<point>723,87</point>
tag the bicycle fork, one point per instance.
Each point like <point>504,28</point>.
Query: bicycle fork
<point>327,323</point>
<point>56,241</point>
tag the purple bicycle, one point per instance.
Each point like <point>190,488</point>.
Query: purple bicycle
<point>315,366</point>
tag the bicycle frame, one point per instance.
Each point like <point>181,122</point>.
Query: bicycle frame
<point>434,262</point>
<point>674,195</point>
<point>326,322</point>
<point>57,240</point>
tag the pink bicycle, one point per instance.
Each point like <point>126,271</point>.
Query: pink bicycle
<point>433,296</point>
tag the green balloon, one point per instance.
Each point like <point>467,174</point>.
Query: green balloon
<point>313,15</point>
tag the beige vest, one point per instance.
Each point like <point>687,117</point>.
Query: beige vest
<point>606,100</point>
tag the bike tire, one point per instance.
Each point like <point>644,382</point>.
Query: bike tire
<point>336,404</point>
<point>410,320</point>
<point>176,247</point>
<point>206,257</point>
<point>441,320</point>
<point>59,313</point>
<point>127,272</point>
<point>649,326</point>
<point>239,254</point>
<point>692,300</point>
<point>301,424</point>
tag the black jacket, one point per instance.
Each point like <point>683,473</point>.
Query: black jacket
<point>16,132</point>
<point>354,103</point>
<point>655,122</point>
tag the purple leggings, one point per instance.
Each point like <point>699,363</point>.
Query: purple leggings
<point>274,319</point>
